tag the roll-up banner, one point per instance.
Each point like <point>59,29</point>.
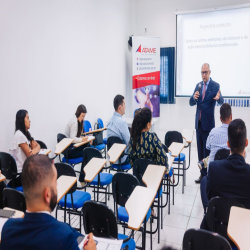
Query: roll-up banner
<point>146,73</point>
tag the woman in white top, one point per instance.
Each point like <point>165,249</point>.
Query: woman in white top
<point>22,145</point>
<point>74,130</point>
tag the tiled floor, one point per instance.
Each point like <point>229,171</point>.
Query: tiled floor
<point>187,211</point>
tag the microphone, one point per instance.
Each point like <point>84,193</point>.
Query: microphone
<point>199,87</point>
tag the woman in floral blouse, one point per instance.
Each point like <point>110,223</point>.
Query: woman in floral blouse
<point>144,144</point>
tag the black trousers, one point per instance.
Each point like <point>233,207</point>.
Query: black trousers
<point>77,152</point>
<point>203,189</point>
<point>201,137</point>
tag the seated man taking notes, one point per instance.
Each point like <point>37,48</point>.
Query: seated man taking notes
<point>117,126</point>
<point>230,178</point>
<point>39,229</point>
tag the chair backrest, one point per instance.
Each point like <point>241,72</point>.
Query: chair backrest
<point>173,136</point>
<point>123,185</point>
<point>88,154</point>
<point>60,137</point>
<point>7,165</point>
<point>113,139</point>
<point>100,123</point>
<point>42,144</point>
<point>139,167</point>
<point>222,154</point>
<point>165,147</point>
<point>99,220</point>
<point>14,199</point>
<point>86,126</point>
<point>66,169</point>
<point>218,214</point>
<point>196,239</point>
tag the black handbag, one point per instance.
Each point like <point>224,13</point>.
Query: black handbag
<point>98,136</point>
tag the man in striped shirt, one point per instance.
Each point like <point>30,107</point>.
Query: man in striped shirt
<point>217,139</point>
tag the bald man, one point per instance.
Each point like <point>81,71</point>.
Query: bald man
<point>205,95</point>
<point>38,229</point>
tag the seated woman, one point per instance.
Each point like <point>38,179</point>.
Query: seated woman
<point>74,130</point>
<point>22,145</point>
<point>144,144</point>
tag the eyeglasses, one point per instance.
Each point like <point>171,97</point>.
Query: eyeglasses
<point>204,72</point>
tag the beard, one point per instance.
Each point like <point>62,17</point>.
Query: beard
<point>53,200</point>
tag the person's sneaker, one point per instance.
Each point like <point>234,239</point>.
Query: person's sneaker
<point>198,180</point>
<point>200,165</point>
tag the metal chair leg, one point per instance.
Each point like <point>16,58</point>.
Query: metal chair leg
<point>173,195</point>
<point>161,212</point>
<point>144,235</point>
<point>183,178</point>
<point>69,219</point>
<point>151,235</point>
<point>65,198</point>
<point>81,222</point>
<point>168,188</point>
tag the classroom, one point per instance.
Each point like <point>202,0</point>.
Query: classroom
<point>104,101</point>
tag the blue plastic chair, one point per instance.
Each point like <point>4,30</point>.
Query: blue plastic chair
<point>102,180</point>
<point>175,136</point>
<point>196,239</point>
<point>65,153</point>
<point>100,147</point>
<point>100,220</point>
<point>123,184</point>
<point>139,168</point>
<point>74,199</point>
<point>119,166</point>
<point>14,199</point>
<point>101,125</point>
<point>9,168</point>
<point>217,216</point>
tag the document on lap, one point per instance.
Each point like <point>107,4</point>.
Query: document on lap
<point>104,244</point>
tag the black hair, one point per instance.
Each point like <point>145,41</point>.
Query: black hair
<point>137,111</point>
<point>36,168</point>
<point>20,124</point>
<point>118,100</point>
<point>237,135</point>
<point>139,123</point>
<point>225,111</point>
<point>80,109</point>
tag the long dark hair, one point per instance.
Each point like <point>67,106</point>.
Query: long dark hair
<point>20,124</point>
<point>139,123</point>
<point>81,109</point>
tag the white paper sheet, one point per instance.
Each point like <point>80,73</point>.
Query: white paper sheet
<point>104,244</point>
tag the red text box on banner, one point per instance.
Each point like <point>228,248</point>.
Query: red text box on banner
<point>152,78</point>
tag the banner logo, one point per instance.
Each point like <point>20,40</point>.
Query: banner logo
<point>146,50</point>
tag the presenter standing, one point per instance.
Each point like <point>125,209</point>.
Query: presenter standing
<point>205,95</point>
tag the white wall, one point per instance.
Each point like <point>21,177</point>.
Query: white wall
<point>158,17</point>
<point>57,54</point>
